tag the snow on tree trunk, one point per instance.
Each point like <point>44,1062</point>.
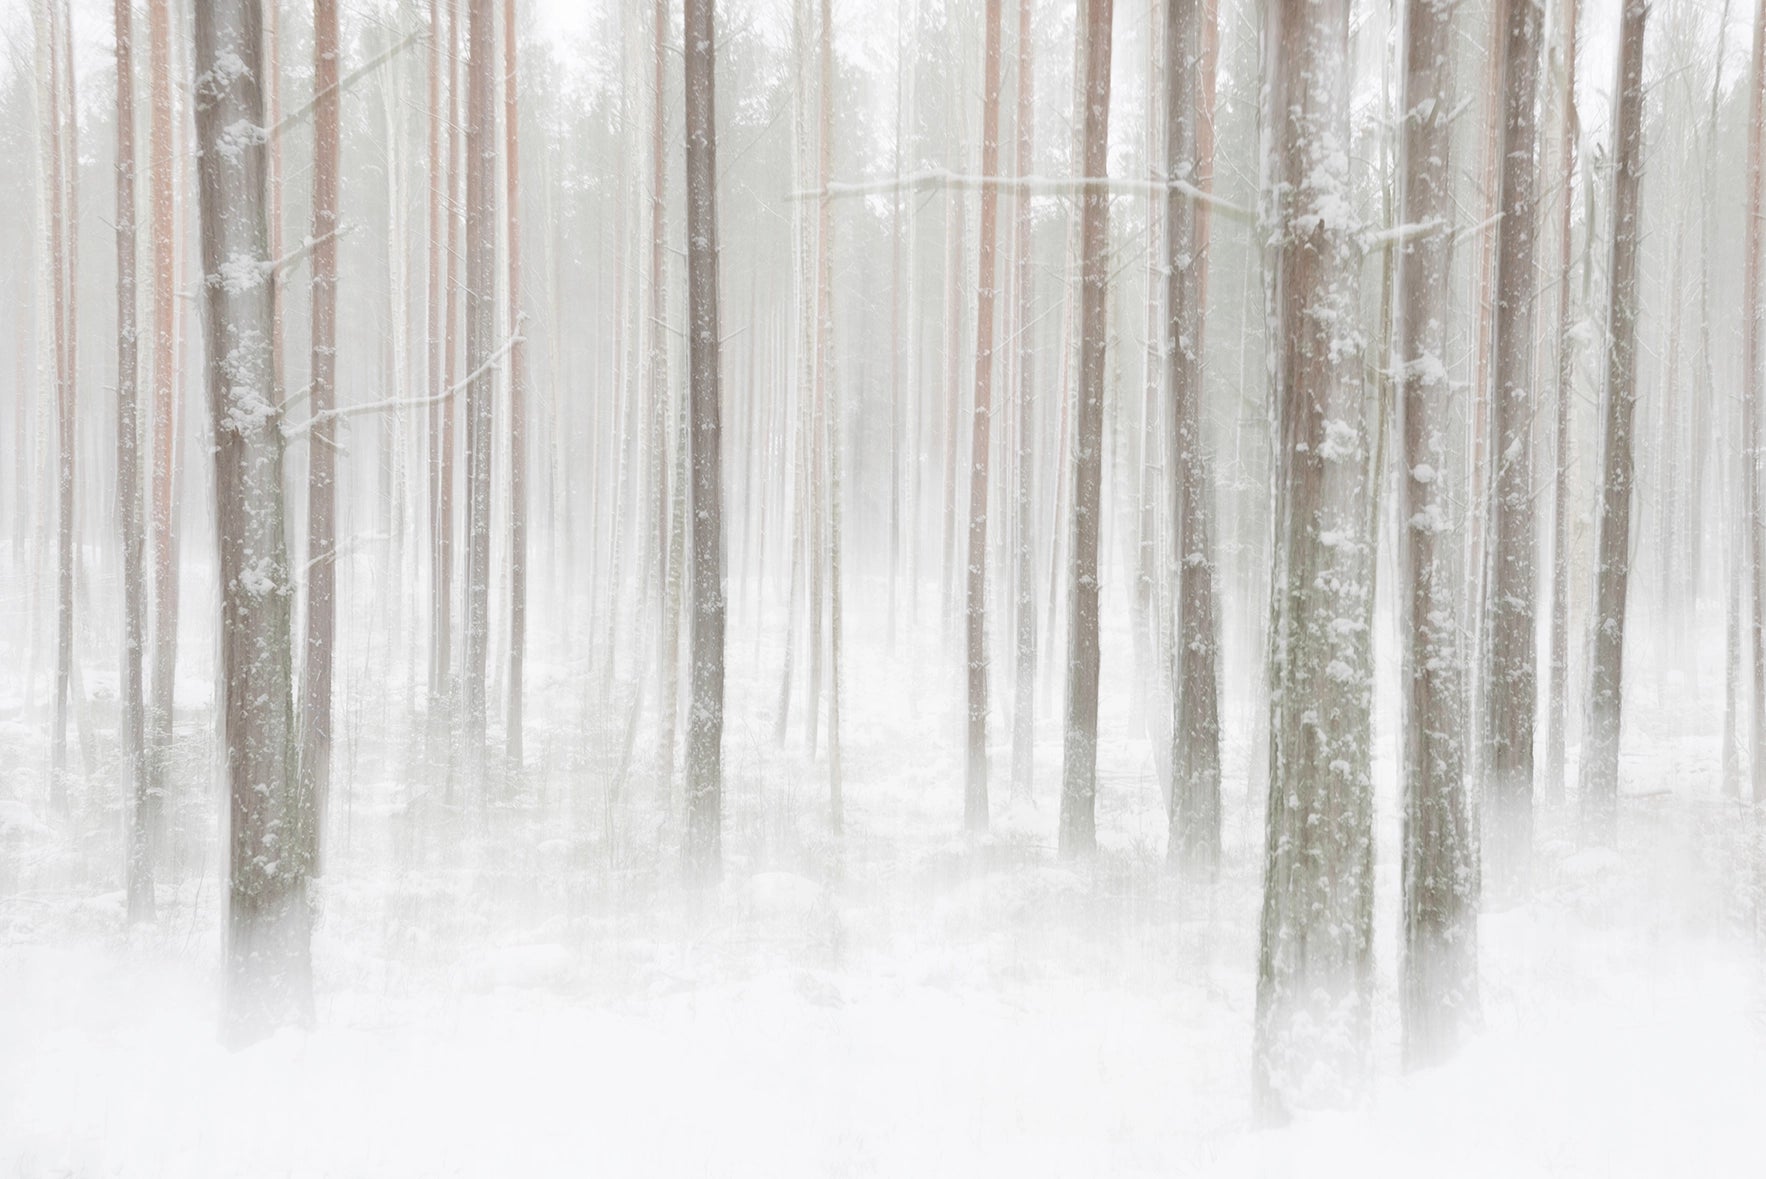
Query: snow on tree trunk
<point>1753,507</point>
<point>1194,839</point>
<point>517,398</point>
<point>138,869</point>
<point>1079,778</point>
<point>1438,984</point>
<point>1552,784</point>
<point>1024,572</point>
<point>1311,1033</point>
<point>481,327</point>
<point>705,724</point>
<point>1511,646</point>
<point>268,931</point>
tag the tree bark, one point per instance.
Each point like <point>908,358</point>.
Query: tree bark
<point>1438,985</point>
<point>980,436</point>
<point>1754,503</point>
<point>1552,783</point>
<point>1078,831</point>
<point>163,367</point>
<point>1311,1035</point>
<point>269,973</point>
<point>704,835</point>
<point>1024,575</point>
<point>1600,759</point>
<point>138,874</point>
<point>517,397</point>
<point>1194,820</point>
<point>1511,653</point>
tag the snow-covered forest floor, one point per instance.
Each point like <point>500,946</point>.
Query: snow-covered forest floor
<point>522,988</point>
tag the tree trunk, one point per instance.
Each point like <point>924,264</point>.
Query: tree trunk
<point>481,327</point>
<point>315,701</point>
<point>1024,676</point>
<point>1600,759</point>
<point>517,397</point>
<point>1194,841</point>
<point>138,874</point>
<point>63,228</point>
<point>1552,783</point>
<point>1311,1036</point>
<point>1510,645</point>
<point>269,972</point>
<point>980,435</point>
<point>704,835</point>
<point>1078,832</point>
<point>828,434</point>
<point>165,397</point>
<point>1754,505</point>
<point>1438,986</point>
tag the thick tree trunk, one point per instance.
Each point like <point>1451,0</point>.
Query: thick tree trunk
<point>138,874</point>
<point>1438,985</point>
<point>1194,838</point>
<point>1599,783</point>
<point>269,973</point>
<point>1079,780</point>
<point>1315,952</point>
<point>1511,655</point>
<point>705,728</point>
<point>980,437</point>
<point>315,698</point>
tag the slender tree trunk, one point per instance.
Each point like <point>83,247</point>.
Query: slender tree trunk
<point>315,702</point>
<point>828,435</point>
<point>1510,644</point>
<point>1315,950</point>
<point>165,397</point>
<point>481,326</point>
<point>1599,784</point>
<point>517,397</point>
<point>269,973</point>
<point>980,434</point>
<point>1552,782</point>
<point>1024,574</point>
<point>1438,986</point>
<point>1078,831</point>
<point>63,229</point>
<point>1752,508</point>
<point>138,874</point>
<point>704,834</point>
<point>662,567</point>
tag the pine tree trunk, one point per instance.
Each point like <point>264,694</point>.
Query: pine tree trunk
<point>1311,1035</point>
<point>1600,759</point>
<point>1194,841</point>
<point>138,874</point>
<point>1552,782</point>
<point>1510,683</point>
<point>165,397</point>
<point>704,835</point>
<point>1024,574</point>
<point>975,599</point>
<point>269,980</point>
<point>481,326</point>
<point>315,701</point>
<point>1754,501</point>
<point>517,398</point>
<point>1438,986</point>
<point>828,435</point>
<point>63,163</point>
<point>1078,831</point>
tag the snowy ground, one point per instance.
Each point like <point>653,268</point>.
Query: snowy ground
<point>522,990</point>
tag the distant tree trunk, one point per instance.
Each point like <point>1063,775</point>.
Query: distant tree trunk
<point>315,701</point>
<point>980,434</point>
<point>1753,509</point>
<point>828,436</point>
<point>662,566</point>
<point>64,285</point>
<point>1438,987</point>
<point>481,326</point>
<point>269,972</point>
<point>1600,759</point>
<point>1079,781</point>
<point>1315,950</point>
<point>435,281</point>
<point>1194,841</point>
<point>1558,693</point>
<point>704,834</point>
<point>1511,652</point>
<point>1024,677</point>
<point>162,456</point>
<point>139,868</point>
<point>517,396</point>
